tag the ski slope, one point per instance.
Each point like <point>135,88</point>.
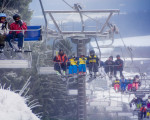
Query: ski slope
<point>14,107</point>
<point>129,41</point>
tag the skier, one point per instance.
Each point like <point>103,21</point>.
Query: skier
<point>148,106</point>
<point>117,85</point>
<point>123,83</point>
<point>118,66</point>
<point>93,61</point>
<point>17,25</point>
<point>138,102</point>
<point>109,66</point>
<point>130,81</point>
<point>72,65</point>
<point>3,30</point>
<point>82,65</point>
<point>60,62</point>
<point>143,111</point>
<point>136,82</point>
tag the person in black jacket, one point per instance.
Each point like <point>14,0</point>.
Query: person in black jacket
<point>93,62</point>
<point>118,66</point>
<point>109,66</point>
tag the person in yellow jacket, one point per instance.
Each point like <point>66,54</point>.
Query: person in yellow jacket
<point>73,65</point>
<point>93,63</point>
<point>82,65</point>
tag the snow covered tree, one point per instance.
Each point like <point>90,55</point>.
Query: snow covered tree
<point>10,7</point>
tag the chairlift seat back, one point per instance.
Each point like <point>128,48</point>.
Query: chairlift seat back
<point>34,34</point>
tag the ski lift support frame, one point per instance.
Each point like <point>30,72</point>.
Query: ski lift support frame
<point>88,33</point>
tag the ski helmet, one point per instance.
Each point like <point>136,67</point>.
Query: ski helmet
<point>2,15</point>
<point>61,51</point>
<point>136,76</point>
<point>117,56</point>
<point>111,57</point>
<point>92,52</point>
<point>16,16</point>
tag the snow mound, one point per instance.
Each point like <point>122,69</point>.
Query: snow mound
<point>14,107</point>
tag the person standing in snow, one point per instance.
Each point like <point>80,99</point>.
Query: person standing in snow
<point>19,26</point>
<point>3,30</point>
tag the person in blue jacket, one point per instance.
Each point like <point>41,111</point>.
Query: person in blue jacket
<point>123,84</point>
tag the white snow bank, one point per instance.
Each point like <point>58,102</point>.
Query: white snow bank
<point>14,107</point>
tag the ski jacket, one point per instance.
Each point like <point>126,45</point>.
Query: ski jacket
<point>136,80</point>
<point>117,82</point>
<point>4,28</point>
<point>109,63</point>
<point>73,61</point>
<point>129,81</point>
<point>93,59</point>
<point>15,26</point>
<point>123,81</point>
<point>82,60</point>
<point>143,109</point>
<point>60,58</point>
<point>119,64</point>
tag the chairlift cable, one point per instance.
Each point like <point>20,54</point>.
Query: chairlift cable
<point>81,13</point>
<point>98,48</point>
<point>130,53</point>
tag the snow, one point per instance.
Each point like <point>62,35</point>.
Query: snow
<point>129,41</point>
<point>14,107</point>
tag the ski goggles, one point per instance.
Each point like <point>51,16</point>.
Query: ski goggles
<point>16,19</point>
<point>3,17</point>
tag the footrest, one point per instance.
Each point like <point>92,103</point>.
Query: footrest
<point>15,64</point>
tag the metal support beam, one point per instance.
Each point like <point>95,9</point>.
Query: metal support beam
<point>77,8</point>
<point>83,11</point>
<point>55,23</point>
<point>106,22</point>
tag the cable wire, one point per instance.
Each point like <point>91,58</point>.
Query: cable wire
<point>81,13</point>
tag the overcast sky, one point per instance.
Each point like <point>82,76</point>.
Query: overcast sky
<point>125,6</point>
<point>139,11</point>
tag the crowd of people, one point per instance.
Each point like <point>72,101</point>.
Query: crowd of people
<point>9,32</point>
<point>127,84</point>
<point>77,65</point>
<point>141,105</point>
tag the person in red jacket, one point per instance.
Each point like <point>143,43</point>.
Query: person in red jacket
<point>143,112</point>
<point>60,62</point>
<point>17,25</point>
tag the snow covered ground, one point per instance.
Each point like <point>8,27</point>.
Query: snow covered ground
<point>14,107</point>
<point>129,41</point>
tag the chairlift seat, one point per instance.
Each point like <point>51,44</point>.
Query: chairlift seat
<point>34,34</point>
<point>15,64</point>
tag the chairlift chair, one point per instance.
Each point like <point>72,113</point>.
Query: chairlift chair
<point>32,34</point>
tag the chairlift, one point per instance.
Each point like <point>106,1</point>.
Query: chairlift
<point>21,60</point>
